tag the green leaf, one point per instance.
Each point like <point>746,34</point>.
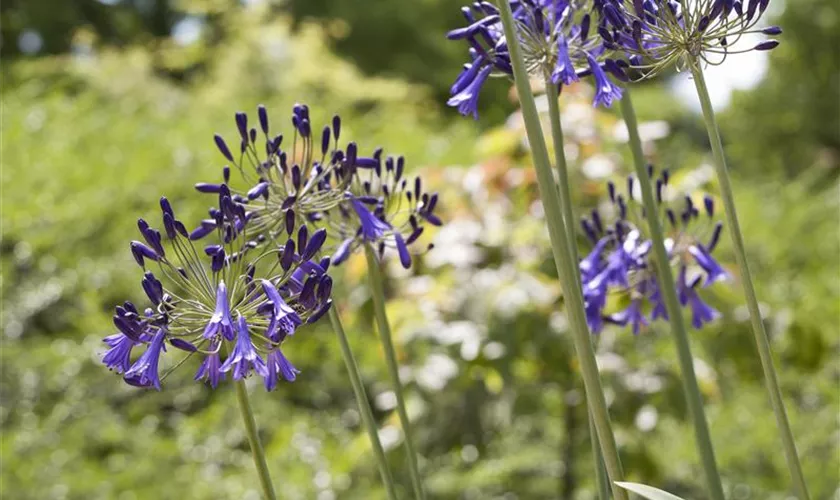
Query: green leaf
<point>648,492</point>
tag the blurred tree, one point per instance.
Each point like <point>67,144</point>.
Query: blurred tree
<point>798,103</point>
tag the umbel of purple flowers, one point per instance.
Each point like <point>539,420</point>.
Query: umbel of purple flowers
<point>359,199</point>
<point>656,34</point>
<point>232,302</point>
<point>620,263</point>
<point>557,41</point>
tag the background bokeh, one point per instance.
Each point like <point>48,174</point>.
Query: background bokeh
<point>108,104</point>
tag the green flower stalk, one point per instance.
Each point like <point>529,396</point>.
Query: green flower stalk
<point>566,267</point>
<point>665,277</point>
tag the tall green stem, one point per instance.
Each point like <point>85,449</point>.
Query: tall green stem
<point>762,343</point>
<point>378,294</point>
<point>553,96</point>
<point>566,267</point>
<point>364,406</point>
<point>600,472</point>
<point>254,440</point>
<point>666,284</point>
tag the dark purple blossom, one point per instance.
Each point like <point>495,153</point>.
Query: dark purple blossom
<point>269,286</point>
<point>657,34</point>
<point>556,44</point>
<point>620,263</point>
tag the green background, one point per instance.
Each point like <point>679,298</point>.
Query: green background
<point>112,112</point>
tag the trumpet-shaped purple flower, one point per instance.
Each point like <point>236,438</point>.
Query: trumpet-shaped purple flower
<point>620,261</point>
<point>118,357</point>
<point>244,356</point>
<point>277,365</point>
<point>210,369</point>
<point>144,371</point>
<point>220,322</point>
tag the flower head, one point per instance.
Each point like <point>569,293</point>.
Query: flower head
<point>655,34</point>
<point>239,294</point>
<point>381,208</point>
<point>556,43</point>
<point>621,262</point>
<point>285,185</point>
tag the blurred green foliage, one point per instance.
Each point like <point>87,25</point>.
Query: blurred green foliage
<point>98,126</point>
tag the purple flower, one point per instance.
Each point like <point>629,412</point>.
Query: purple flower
<point>193,308</point>
<point>554,36</point>
<point>244,356</point>
<point>277,364</point>
<point>221,321</point>
<point>605,90</point>
<point>118,357</point>
<point>653,35</point>
<point>372,228</point>
<point>144,371</point>
<point>210,369</point>
<point>620,261</point>
<point>466,100</point>
<point>284,320</point>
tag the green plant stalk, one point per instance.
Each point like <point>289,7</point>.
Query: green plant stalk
<point>600,472</point>
<point>553,96</point>
<point>761,340</point>
<point>364,406</point>
<point>566,268</point>
<point>254,440</point>
<point>693,397</point>
<point>378,294</point>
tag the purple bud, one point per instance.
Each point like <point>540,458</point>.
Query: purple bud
<point>288,255</point>
<point>290,221</point>
<point>324,289</point>
<point>715,237</point>
<point>303,238</point>
<point>414,235</point>
<point>226,174</point>
<point>325,263</point>
<point>325,140</point>
<point>260,189</point>
<point>223,148</point>
<point>336,124</point>
<point>253,135</point>
<point>242,125</point>
<point>772,30</point>
<point>169,226</point>
<point>305,130</point>
<point>319,313</point>
<point>204,187</point>
<point>217,261</point>
<point>584,27</point>
<point>767,45</point>
<point>703,24</point>
<point>709,204</point>
<point>183,345</point>
<point>263,115</point>
<point>315,244</point>
<point>207,226</point>
<point>611,191</point>
<point>296,177</point>
<point>141,251</point>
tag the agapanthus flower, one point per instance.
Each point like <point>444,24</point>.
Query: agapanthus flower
<point>233,301</point>
<point>283,186</point>
<point>621,264</point>
<point>656,34</point>
<point>382,208</point>
<point>359,199</point>
<point>557,42</point>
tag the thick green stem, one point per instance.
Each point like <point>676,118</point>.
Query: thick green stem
<point>600,472</point>
<point>378,294</point>
<point>566,267</point>
<point>254,440</point>
<point>364,406</point>
<point>553,96</point>
<point>762,342</point>
<point>693,397</point>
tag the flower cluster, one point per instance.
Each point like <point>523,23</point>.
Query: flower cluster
<point>556,40</point>
<point>621,261</point>
<point>359,199</point>
<point>656,34</point>
<point>234,305</point>
<point>261,275</point>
